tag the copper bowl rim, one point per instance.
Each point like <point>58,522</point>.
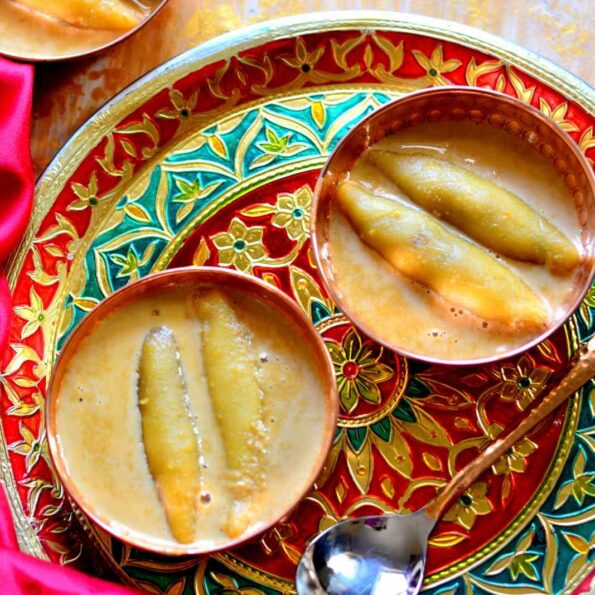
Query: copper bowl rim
<point>200,276</point>
<point>24,57</point>
<point>321,262</point>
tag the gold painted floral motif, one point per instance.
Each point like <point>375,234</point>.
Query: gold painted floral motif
<point>522,382</point>
<point>189,193</point>
<point>470,505</point>
<point>275,146</point>
<point>358,369</point>
<point>278,538</point>
<point>520,562</point>
<point>558,115</point>
<point>22,354</point>
<point>31,447</point>
<point>523,92</point>
<point>305,62</point>
<point>182,107</point>
<point>63,226</point>
<point>435,66</point>
<point>34,314</point>
<point>514,460</point>
<point>87,195</point>
<point>240,246</point>
<point>582,484</point>
<point>474,70</point>
<point>34,448</point>
<point>128,264</point>
<point>303,59</point>
<point>292,213</point>
<point>394,53</point>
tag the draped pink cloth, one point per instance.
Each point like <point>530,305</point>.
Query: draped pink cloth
<point>16,176</point>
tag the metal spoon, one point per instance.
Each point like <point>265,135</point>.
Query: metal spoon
<point>386,554</point>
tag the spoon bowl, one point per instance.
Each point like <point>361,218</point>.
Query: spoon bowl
<point>372,555</point>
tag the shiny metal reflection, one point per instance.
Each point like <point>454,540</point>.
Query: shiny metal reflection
<point>367,556</point>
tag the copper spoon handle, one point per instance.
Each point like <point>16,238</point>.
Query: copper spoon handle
<point>582,371</point>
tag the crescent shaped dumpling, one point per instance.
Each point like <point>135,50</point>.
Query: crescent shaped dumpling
<point>423,249</point>
<point>113,15</point>
<point>171,444</point>
<point>484,211</point>
<point>237,399</point>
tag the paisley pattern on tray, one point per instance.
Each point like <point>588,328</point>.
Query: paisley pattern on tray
<point>219,168</point>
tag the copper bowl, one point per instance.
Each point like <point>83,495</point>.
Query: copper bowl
<point>192,277</point>
<point>83,42</point>
<point>481,106</point>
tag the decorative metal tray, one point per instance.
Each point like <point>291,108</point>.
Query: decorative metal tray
<point>211,159</point>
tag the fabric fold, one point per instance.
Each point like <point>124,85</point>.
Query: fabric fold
<point>16,173</point>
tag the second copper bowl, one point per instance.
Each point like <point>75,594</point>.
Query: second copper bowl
<point>190,278</point>
<point>480,106</point>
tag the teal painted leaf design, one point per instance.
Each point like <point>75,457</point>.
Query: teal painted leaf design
<point>318,311</point>
<point>417,389</point>
<point>522,564</point>
<point>578,468</point>
<point>189,192</point>
<point>274,143</point>
<point>405,412</point>
<point>136,212</point>
<point>128,263</point>
<point>499,565</point>
<point>262,160</point>
<point>382,429</point>
<point>563,494</point>
<point>357,437</point>
<point>525,541</point>
<point>582,487</point>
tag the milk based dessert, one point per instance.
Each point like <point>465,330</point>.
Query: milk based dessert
<point>192,416</point>
<point>469,238</point>
<point>91,14</point>
<point>42,28</point>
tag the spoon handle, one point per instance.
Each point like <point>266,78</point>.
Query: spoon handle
<point>582,371</point>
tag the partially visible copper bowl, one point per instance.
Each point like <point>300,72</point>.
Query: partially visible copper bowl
<point>192,277</point>
<point>481,106</point>
<point>57,41</point>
